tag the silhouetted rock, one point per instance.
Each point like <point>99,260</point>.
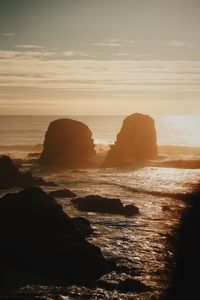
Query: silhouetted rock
<point>62,194</point>
<point>166,208</point>
<point>10,176</point>
<point>136,141</point>
<point>126,286</point>
<point>95,203</point>
<point>185,276</point>
<point>130,210</point>
<point>83,225</point>
<point>132,285</point>
<point>68,143</point>
<point>39,239</point>
<point>9,173</point>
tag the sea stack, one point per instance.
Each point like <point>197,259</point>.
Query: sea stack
<point>68,143</point>
<point>136,141</point>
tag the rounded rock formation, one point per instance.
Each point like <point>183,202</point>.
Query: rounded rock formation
<point>136,141</point>
<point>99,204</point>
<point>68,143</point>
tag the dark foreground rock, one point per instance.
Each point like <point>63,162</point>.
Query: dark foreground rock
<point>62,194</point>
<point>39,240</point>
<point>132,285</point>
<point>83,225</point>
<point>95,203</point>
<point>184,283</point>
<point>9,173</point>
<point>136,141</point>
<point>10,176</point>
<point>68,143</point>
<point>129,285</point>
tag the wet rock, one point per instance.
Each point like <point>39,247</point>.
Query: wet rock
<point>166,208</point>
<point>128,285</point>
<point>40,240</point>
<point>106,285</point>
<point>130,210</point>
<point>63,194</point>
<point>132,285</point>
<point>95,203</point>
<point>68,143</point>
<point>48,183</point>
<point>9,173</point>
<point>136,141</point>
<point>184,283</point>
<point>10,176</point>
<point>83,225</point>
<point>127,270</point>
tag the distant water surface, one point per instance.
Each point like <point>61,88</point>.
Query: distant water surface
<point>179,130</point>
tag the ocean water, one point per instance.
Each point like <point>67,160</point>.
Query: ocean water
<point>180,130</point>
<point>140,243</point>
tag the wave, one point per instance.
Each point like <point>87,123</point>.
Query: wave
<point>170,150</point>
<point>182,163</point>
<point>28,147</point>
<point>177,195</point>
<point>178,150</point>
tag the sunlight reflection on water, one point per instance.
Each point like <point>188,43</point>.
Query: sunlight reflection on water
<point>141,240</point>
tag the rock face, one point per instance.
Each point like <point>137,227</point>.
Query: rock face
<point>184,280</point>
<point>10,176</point>
<point>83,225</point>
<point>39,239</point>
<point>136,141</point>
<point>9,173</point>
<point>68,143</point>
<point>62,194</point>
<point>132,285</point>
<point>95,203</point>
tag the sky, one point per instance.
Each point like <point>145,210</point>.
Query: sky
<point>83,57</point>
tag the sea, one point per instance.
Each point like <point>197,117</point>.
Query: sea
<point>141,243</point>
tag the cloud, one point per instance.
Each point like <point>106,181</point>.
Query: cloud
<point>29,55</point>
<point>7,34</point>
<point>28,46</point>
<point>132,55</point>
<point>178,44</point>
<point>121,41</point>
<point>70,53</point>
<point>106,44</point>
<point>41,70</point>
<point>113,42</point>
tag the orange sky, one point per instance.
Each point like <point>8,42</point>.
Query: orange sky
<point>99,57</point>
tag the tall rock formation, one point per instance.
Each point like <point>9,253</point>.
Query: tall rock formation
<point>68,143</point>
<point>136,141</point>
